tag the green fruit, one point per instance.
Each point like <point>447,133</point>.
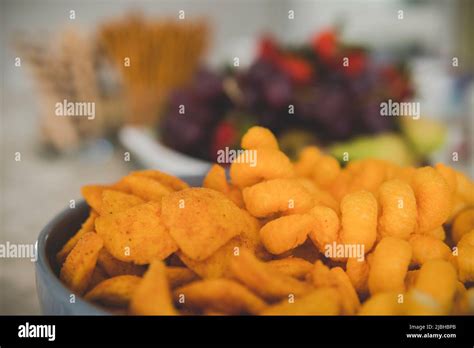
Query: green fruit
<point>387,146</point>
<point>424,135</point>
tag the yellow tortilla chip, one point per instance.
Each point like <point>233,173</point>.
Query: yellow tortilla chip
<point>87,226</point>
<point>264,281</point>
<point>116,202</point>
<point>179,276</point>
<point>116,291</point>
<point>323,301</point>
<point>153,296</point>
<point>201,220</point>
<point>221,295</point>
<point>146,188</point>
<point>171,181</point>
<point>136,234</point>
<point>114,267</point>
<point>79,266</point>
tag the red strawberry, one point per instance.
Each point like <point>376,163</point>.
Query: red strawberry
<point>268,49</point>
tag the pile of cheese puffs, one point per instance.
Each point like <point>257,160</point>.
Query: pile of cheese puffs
<point>278,237</point>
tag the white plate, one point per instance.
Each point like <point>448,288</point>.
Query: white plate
<point>146,149</point>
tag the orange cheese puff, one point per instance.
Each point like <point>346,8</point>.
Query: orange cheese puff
<point>405,173</point>
<point>465,258</point>
<point>277,196</point>
<point>465,188</point>
<point>340,186</point>
<point>389,265</point>
<point>358,273</point>
<point>286,233</point>
<point>462,224</point>
<point>216,180</point>
<point>383,303</point>
<point>307,159</point>
<point>326,170</point>
<point>320,197</point>
<point>325,228</point>
<point>437,233</point>
<point>449,175</point>
<point>359,219</point>
<point>259,138</point>
<point>253,166</point>
<point>321,276</point>
<point>398,209</point>
<point>427,248</point>
<point>368,175</point>
<point>433,198</point>
<point>437,278</point>
<point>416,302</point>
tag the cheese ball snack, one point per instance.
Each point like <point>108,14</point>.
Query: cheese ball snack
<point>389,266</point>
<point>284,196</point>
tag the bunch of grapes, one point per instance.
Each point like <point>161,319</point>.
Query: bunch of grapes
<point>193,113</point>
<point>326,89</point>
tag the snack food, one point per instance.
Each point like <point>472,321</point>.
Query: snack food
<point>278,238</point>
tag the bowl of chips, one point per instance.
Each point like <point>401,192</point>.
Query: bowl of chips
<point>269,237</point>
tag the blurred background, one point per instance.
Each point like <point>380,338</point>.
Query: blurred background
<point>172,82</point>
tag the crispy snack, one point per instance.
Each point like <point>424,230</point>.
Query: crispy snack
<point>116,202</point>
<point>216,179</point>
<point>307,160</point>
<point>382,303</point>
<point>462,224</point>
<point>285,196</point>
<point>269,164</point>
<point>433,198</point>
<point>264,281</point>
<point>259,138</point>
<point>115,292</point>
<point>221,295</point>
<point>179,276</point>
<point>427,248</point>
<point>322,301</point>
<point>87,226</point>
<point>114,267</point>
<point>398,209</point>
<point>93,195</point>
<point>201,221</point>
<point>136,235</point>
<point>78,268</point>
<point>217,265</point>
<point>379,233</point>
<point>465,258</point>
<point>358,273</point>
<point>326,170</point>
<point>292,266</point>
<point>152,295</point>
<point>146,188</point>
<point>322,276</point>
<point>359,219</point>
<point>286,233</point>
<point>170,181</point>
<point>437,279</point>
<point>389,265</point>
<point>325,228</point>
